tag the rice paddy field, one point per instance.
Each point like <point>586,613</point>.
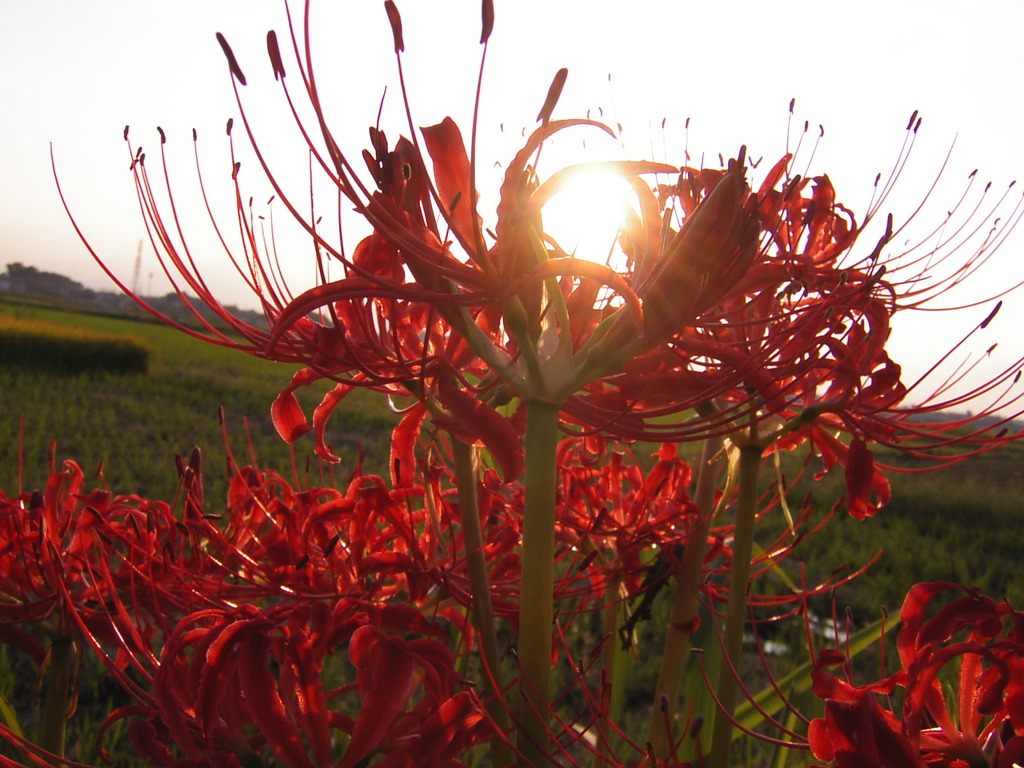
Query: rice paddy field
<point>129,424</point>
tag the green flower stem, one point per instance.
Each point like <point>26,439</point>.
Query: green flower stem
<point>736,608</point>
<point>684,607</point>
<point>58,693</point>
<point>538,578</point>
<point>615,665</point>
<point>483,611</point>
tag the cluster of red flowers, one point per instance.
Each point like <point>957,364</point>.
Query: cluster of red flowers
<point>982,723</point>
<point>756,300</point>
<point>743,311</point>
<point>226,625</point>
<point>192,610</point>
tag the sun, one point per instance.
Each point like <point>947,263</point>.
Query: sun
<point>585,215</point>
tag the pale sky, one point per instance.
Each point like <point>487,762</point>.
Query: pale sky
<point>74,73</point>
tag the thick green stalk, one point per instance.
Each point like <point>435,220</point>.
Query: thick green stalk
<point>684,607</point>
<point>483,611</point>
<point>615,665</point>
<point>536,604</point>
<point>736,608</point>
<point>58,692</point>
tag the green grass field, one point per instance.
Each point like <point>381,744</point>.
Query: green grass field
<point>135,424</point>
<point>963,523</point>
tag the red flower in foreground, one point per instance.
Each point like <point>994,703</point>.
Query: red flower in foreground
<point>971,639</point>
<point>228,629</point>
<point>216,688</point>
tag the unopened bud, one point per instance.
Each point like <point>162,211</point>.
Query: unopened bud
<point>706,258</point>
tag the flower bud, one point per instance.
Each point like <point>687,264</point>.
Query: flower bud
<point>707,257</point>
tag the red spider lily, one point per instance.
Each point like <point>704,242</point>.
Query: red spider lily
<point>747,303</point>
<point>613,516</point>
<point>216,689</point>
<point>466,319</point>
<point>754,299</point>
<point>132,577</point>
<point>619,533</point>
<point>802,339</point>
<point>166,582</point>
<point>982,725</point>
<point>613,508</point>
<point>66,551</point>
<point>42,546</point>
<point>156,591</point>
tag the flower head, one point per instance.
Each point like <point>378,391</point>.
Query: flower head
<point>758,299</point>
<point>972,639</point>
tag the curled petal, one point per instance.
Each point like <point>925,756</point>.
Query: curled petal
<point>863,479</point>
<point>860,734</point>
<point>403,443</point>
<point>452,177</point>
<point>384,677</point>
<point>263,700</point>
<point>286,413</point>
<point>480,422</point>
<point>321,414</point>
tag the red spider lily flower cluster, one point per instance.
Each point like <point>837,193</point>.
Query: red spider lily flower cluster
<point>230,628</point>
<point>976,721</point>
<point>334,626</point>
<point>757,300</point>
<point>226,628</point>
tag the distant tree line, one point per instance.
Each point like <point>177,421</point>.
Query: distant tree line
<point>23,280</point>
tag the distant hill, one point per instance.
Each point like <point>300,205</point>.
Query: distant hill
<point>26,281</point>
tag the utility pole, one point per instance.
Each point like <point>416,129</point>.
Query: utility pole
<point>135,272</point>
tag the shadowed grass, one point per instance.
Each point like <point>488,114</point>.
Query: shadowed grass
<point>960,524</point>
<point>60,349</point>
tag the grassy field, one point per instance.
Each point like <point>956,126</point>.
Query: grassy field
<point>136,423</point>
<point>961,523</point>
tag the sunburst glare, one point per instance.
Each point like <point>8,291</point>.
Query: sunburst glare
<point>584,217</point>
